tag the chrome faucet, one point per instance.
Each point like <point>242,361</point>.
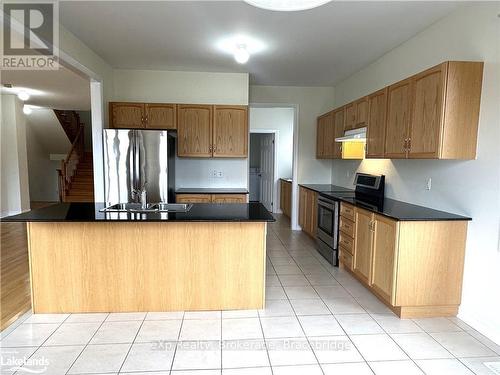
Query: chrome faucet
<point>140,196</point>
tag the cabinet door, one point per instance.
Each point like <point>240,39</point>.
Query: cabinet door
<point>126,115</point>
<point>377,105</point>
<point>398,117</point>
<point>427,113</point>
<point>312,208</point>
<point>193,198</point>
<point>339,132</point>
<point>230,131</point>
<point>286,197</point>
<point>350,116</point>
<point>229,198</point>
<point>161,116</point>
<point>363,245</point>
<point>384,254</point>
<point>321,141</point>
<point>302,207</point>
<point>194,130</point>
<point>361,112</point>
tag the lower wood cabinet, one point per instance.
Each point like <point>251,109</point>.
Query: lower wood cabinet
<point>308,211</point>
<point>414,267</point>
<point>211,198</point>
<point>286,197</point>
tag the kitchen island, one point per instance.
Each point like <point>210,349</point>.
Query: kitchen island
<point>209,258</point>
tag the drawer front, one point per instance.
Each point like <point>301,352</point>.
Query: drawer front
<point>346,242</point>
<point>347,226</point>
<point>345,258</point>
<point>347,211</point>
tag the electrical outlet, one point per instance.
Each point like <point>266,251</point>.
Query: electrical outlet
<point>220,174</point>
<point>429,184</point>
<point>213,173</point>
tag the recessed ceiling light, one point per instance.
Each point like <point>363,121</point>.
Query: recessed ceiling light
<point>23,95</point>
<point>287,5</point>
<point>241,54</point>
<point>27,110</point>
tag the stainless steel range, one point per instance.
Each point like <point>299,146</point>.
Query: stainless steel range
<point>369,191</point>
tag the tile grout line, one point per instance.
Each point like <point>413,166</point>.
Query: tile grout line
<point>85,346</point>
<point>177,342</point>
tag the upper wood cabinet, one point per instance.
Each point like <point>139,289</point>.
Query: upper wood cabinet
<point>230,134</point>
<point>375,138</point>
<point>338,119</point>
<point>325,137</point>
<point>142,115</point>
<point>356,114</point>
<point>431,115</point>
<point>398,118</point>
<point>194,130</point>
<point>126,115</point>
<point>161,116</point>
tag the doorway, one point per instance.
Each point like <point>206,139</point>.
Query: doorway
<point>262,172</point>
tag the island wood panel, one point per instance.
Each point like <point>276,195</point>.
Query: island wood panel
<point>119,267</point>
<point>15,291</point>
<point>230,131</point>
<point>193,198</point>
<point>430,263</point>
<point>194,130</point>
<point>161,116</point>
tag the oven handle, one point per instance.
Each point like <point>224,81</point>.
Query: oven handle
<point>326,204</point>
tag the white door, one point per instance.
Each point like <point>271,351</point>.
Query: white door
<point>267,170</point>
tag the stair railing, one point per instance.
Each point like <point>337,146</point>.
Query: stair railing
<point>68,165</point>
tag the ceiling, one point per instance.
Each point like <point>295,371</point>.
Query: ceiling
<point>318,47</point>
<point>56,89</point>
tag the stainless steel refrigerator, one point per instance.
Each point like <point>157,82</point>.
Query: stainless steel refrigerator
<point>136,159</point>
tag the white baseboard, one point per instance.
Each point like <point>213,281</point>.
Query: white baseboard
<point>491,331</point>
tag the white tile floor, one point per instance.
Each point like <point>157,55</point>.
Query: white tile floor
<point>318,320</point>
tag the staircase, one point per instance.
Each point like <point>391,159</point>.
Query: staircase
<point>76,176</point>
<point>81,188</point>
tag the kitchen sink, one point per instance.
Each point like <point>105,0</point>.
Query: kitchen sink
<point>150,207</point>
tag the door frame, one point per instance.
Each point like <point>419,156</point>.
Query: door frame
<point>276,197</point>
<point>295,155</point>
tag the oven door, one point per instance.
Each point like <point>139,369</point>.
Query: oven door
<point>328,221</point>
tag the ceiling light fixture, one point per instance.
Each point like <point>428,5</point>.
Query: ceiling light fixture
<point>241,47</point>
<point>23,95</point>
<point>241,54</point>
<point>286,5</point>
<point>27,110</point>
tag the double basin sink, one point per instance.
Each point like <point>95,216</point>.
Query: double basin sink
<point>150,207</point>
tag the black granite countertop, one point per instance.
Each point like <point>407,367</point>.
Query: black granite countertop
<point>397,210</point>
<point>211,191</point>
<point>320,188</point>
<point>89,212</point>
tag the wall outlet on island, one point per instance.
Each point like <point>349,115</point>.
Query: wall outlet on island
<point>428,186</point>
<point>216,174</point>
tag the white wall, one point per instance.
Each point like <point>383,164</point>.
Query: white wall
<point>310,102</point>
<point>43,178</point>
<point>180,87</point>
<point>14,174</point>
<point>191,172</point>
<point>464,187</point>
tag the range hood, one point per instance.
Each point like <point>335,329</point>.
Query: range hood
<point>355,135</point>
